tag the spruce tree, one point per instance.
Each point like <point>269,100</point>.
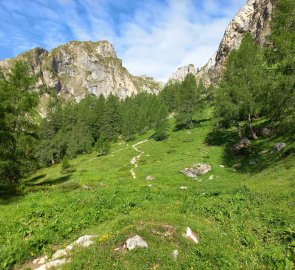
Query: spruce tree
<point>17,118</point>
<point>280,56</point>
<point>186,102</point>
<point>240,94</point>
<point>161,125</point>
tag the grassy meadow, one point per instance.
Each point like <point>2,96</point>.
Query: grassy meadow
<point>245,217</point>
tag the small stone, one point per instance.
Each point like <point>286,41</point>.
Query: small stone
<point>211,177</point>
<point>150,178</point>
<point>175,254</point>
<point>136,242</point>
<point>189,234</point>
<point>150,185</point>
<point>265,132</point>
<point>252,163</point>
<point>86,187</point>
<point>221,166</point>
<point>133,160</point>
<point>263,152</point>
<point>237,166</point>
<point>242,143</point>
<point>278,147</point>
<point>183,187</point>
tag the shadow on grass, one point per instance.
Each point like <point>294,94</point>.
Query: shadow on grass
<point>51,182</point>
<point>9,192</point>
<point>34,179</point>
<point>254,159</point>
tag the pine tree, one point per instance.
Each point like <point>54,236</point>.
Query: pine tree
<point>161,125</point>
<point>239,96</point>
<point>186,102</point>
<point>280,55</point>
<point>17,119</point>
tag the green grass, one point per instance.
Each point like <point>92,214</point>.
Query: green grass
<point>245,218</point>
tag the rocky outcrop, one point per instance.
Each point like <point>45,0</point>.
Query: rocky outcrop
<point>254,17</point>
<point>79,68</point>
<point>181,73</point>
<point>197,170</point>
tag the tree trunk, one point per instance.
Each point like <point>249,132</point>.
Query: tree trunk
<point>251,128</point>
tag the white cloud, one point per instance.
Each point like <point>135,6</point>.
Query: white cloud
<point>178,38</point>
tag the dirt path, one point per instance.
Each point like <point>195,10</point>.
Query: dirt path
<point>135,159</point>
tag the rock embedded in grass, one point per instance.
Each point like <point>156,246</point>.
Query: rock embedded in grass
<point>278,147</point>
<point>197,169</point>
<point>190,235</point>
<point>51,264</point>
<point>83,241</point>
<point>242,143</point>
<point>136,242</point>
<point>150,178</point>
<point>175,254</point>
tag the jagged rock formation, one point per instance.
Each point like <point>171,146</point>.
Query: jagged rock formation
<point>78,68</point>
<point>254,17</point>
<point>181,73</point>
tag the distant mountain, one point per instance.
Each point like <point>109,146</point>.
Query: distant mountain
<point>78,68</point>
<point>254,17</point>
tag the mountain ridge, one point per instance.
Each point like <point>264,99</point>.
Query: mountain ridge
<point>78,68</point>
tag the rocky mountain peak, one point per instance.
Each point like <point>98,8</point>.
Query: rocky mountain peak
<point>78,68</point>
<point>181,73</point>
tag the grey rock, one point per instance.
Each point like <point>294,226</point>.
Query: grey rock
<point>150,178</point>
<point>242,143</point>
<point>278,147</point>
<point>197,169</point>
<point>237,166</point>
<point>252,162</point>
<point>136,242</point>
<point>265,132</point>
<point>86,187</point>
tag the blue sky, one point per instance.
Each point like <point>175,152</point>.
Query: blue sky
<point>152,37</point>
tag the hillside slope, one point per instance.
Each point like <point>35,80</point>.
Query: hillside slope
<point>244,217</point>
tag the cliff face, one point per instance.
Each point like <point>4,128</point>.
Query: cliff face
<point>181,73</point>
<point>254,17</point>
<point>77,68</point>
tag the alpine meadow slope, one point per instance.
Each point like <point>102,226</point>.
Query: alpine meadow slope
<point>116,175</point>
